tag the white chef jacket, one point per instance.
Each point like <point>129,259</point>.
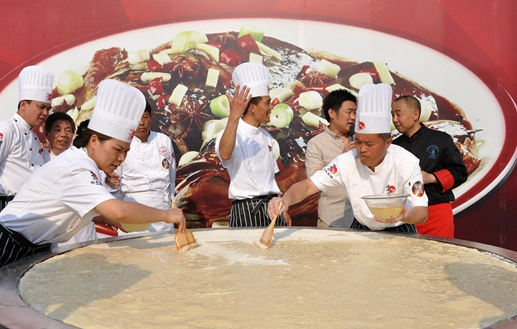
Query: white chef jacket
<point>87,233</point>
<point>58,200</point>
<point>397,173</point>
<point>148,174</point>
<point>252,166</point>
<point>20,154</point>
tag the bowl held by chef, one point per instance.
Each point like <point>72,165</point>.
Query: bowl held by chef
<point>66,194</point>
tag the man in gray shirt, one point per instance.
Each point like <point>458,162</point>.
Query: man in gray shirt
<point>339,107</point>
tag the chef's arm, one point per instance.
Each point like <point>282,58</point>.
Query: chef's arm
<point>294,194</point>
<point>136,213</point>
<point>238,105</point>
<point>415,215</point>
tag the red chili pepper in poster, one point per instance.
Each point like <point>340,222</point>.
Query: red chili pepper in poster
<point>154,66</point>
<point>298,90</point>
<point>305,70</point>
<point>155,86</point>
<point>248,44</point>
<point>319,88</point>
<point>280,165</point>
<point>230,58</point>
<point>161,102</point>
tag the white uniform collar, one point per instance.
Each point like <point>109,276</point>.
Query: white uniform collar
<point>20,122</point>
<point>248,128</point>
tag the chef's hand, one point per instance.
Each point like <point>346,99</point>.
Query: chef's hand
<point>428,178</point>
<point>239,101</point>
<point>393,219</point>
<point>274,207</point>
<point>176,216</point>
<point>348,147</point>
<point>113,180</point>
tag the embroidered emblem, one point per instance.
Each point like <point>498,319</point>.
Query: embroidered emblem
<point>49,97</point>
<point>95,179</point>
<point>433,151</point>
<point>1,138</point>
<point>270,148</point>
<point>360,125</point>
<point>418,189</point>
<point>164,152</point>
<point>330,170</point>
<point>391,189</point>
<point>131,134</point>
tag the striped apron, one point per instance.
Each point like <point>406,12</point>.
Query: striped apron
<point>14,246</point>
<point>253,212</point>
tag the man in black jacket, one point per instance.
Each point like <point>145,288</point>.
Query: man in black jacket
<point>440,160</point>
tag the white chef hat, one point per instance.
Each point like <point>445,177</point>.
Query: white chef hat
<point>374,109</point>
<point>253,75</point>
<point>35,84</point>
<point>118,110</point>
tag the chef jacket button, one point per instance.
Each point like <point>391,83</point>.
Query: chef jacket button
<point>25,134</point>
<point>30,149</point>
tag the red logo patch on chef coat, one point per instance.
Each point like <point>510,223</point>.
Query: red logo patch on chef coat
<point>360,125</point>
<point>391,189</point>
<point>131,134</point>
<point>164,152</point>
<point>333,169</point>
<point>49,97</point>
<point>270,148</point>
<point>1,138</point>
<point>95,179</point>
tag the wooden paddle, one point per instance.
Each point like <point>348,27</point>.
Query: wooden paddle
<point>267,235</point>
<point>184,240</point>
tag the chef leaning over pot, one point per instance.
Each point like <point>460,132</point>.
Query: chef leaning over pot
<point>20,147</point>
<point>65,195</point>
<point>375,167</point>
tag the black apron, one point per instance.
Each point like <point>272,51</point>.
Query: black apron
<point>253,212</point>
<point>14,246</point>
<point>4,200</point>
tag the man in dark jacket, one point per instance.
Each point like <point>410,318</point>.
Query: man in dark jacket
<point>440,160</point>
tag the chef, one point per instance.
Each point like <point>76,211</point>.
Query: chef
<point>20,147</point>
<point>246,149</point>
<point>374,167</point>
<point>147,175</point>
<point>65,195</point>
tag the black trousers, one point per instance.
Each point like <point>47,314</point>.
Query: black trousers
<point>14,246</point>
<point>405,228</point>
<point>253,213</point>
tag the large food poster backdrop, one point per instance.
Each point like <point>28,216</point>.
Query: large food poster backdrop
<point>455,56</point>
